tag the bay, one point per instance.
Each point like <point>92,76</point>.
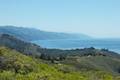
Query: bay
<point>111,44</point>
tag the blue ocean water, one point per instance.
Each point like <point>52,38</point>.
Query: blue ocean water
<point>113,45</point>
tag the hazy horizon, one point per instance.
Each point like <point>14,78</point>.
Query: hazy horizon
<point>96,18</point>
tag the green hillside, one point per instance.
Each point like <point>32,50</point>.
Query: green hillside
<point>105,63</point>
<point>87,59</point>
<point>16,66</point>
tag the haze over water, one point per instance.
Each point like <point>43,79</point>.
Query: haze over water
<point>113,45</point>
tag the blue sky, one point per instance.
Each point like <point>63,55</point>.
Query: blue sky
<point>97,18</point>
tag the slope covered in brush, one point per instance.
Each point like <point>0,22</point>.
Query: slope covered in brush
<point>19,45</point>
<point>88,58</point>
<point>16,66</point>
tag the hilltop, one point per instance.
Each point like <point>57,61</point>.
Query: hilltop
<point>19,45</point>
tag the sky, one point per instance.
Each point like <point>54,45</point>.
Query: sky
<point>97,18</point>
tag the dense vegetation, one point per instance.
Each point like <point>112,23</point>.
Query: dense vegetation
<point>16,66</point>
<point>19,45</point>
<point>81,59</point>
<point>21,60</point>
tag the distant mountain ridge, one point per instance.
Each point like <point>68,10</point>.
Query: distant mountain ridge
<point>31,34</point>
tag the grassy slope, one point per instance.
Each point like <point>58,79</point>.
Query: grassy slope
<point>16,66</point>
<point>106,63</point>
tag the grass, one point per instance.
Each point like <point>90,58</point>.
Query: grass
<point>16,66</point>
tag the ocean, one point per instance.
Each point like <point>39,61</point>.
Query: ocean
<point>111,44</point>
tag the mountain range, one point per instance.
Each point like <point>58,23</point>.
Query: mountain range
<point>31,34</point>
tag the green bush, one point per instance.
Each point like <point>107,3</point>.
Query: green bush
<point>17,66</point>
